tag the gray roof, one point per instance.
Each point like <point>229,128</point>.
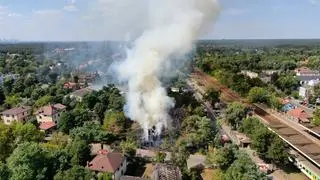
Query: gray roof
<point>82,92</point>
<point>308,78</point>
<point>16,110</point>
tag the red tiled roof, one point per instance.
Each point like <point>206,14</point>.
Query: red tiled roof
<point>109,162</point>
<point>47,125</point>
<point>299,113</point>
<point>50,110</point>
<point>69,85</point>
<point>16,110</point>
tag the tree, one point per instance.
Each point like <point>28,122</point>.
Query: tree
<point>250,126</point>
<point>37,93</point>
<point>75,173</point>
<point>6,141</point>
<point>27,133</point>
<point>277,152</point>
<point>13,100</point>
<point>128,147</point>
<point>258,95</point>
<point>316,117</point>
<point>105,176</point>
<point>275,102</point>
<point>90,100</point>
<point>59,139</point>
<point>243,168</point>
<point>8,85</point>
<point>28,161</point>
<point>199,130</point>
<point>261,140</point>
<point>43,101</point>
<point>287,83</point>
<point>4,172</point>
<point>114,122</point>
<point>66,122</point>
<point>160,157</point>
<point>234,114</point>
<point>18,86</point>
<point>79,150</point>
<point>222,157</point>
<point>99,109</point>
<point>212,96</point>
<point>199,111</point>
<point>180,155</point>
<point>91,132</point>
<point>2,96</point>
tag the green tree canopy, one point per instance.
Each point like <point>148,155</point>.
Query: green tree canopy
<point>6,141</point>
<point>222,157</point>
<point>4,172</point>
<point>79,150</point>
<point>27,162</point>
<point>243,168</point>
<point>45,100</point>
<point>316,117</point>
<point>258,95</point>
<point>235,113</point>
<point>277,152</point>
<point>75,173</point>
<point>115,122</point>
<point>212,96</point>
<point>129,147</point>
<point>27,133</point>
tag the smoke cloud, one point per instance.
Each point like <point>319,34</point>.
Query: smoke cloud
<point>171,29</point>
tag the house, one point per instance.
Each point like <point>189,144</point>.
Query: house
<point>299,115</point>
<point>111,162</point>
<point>48,116</point>
<point>196,162</point>
<point>243,141</point>
<point>18,114</point>
<point>151,154</point>
<point>250,74</point>
<point>79,94</point>
<point>166,172</point>
<point>307,76</point>
<point>304,71</point>
<point>85,77</point>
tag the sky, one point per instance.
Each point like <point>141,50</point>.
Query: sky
<point>78,20</point>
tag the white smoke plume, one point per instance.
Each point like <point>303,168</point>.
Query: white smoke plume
<point>172,28</point>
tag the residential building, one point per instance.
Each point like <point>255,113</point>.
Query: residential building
<point>243,140</point>
<point>304,71</point>
<point>307,76</point>
<point>73,86</point>
<point>250,74</point>
<point>196,162</point>
<point>111,162</point>
<point>299,115</point>
<point>79,94</point>
<point>48,116</point>
<point>85,77</point>
<point>166,172</point>
<point>18,114</point>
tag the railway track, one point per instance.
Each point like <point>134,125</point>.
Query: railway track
<point>298,140</point>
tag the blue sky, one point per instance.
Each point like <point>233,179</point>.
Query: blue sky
<point>238,19</point>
